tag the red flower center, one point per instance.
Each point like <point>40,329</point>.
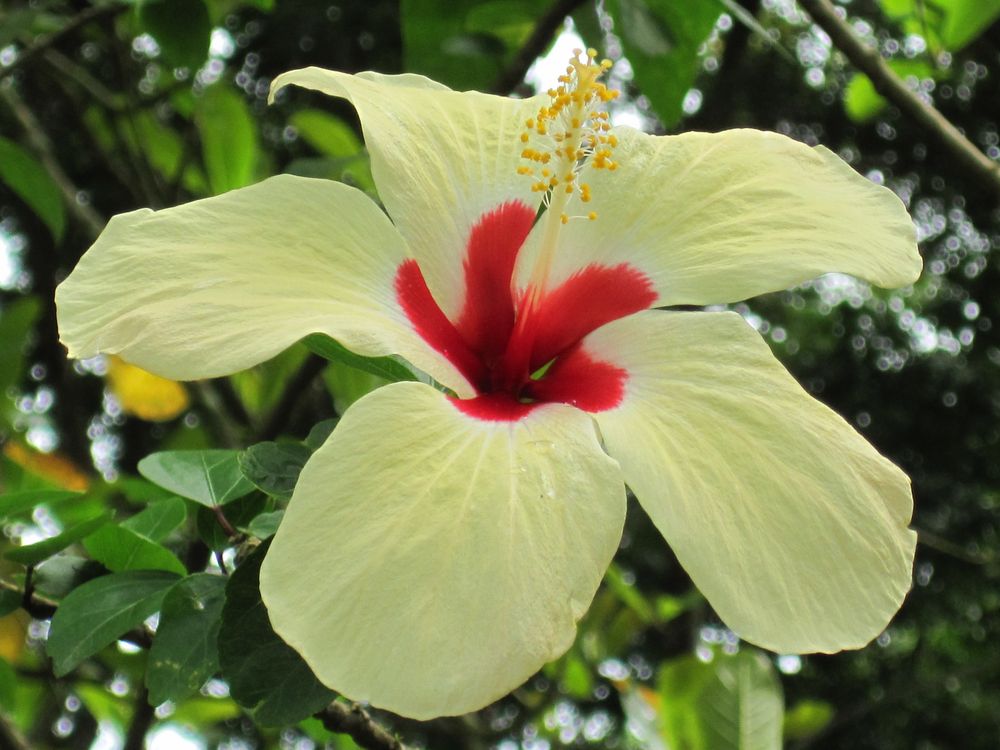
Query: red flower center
<point>517,356</point>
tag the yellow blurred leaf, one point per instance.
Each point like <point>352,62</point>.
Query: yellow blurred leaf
<point>52,467</point>
<point>143,394</point>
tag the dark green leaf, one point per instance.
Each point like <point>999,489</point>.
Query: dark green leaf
<point>60,575</point>
<point>320,432</point>
<point>26,177</point>
<point>9,601</point>
<point>265,675</point>
<point>98,612</point>
<point>184,652</point>
<point>16,322</point>
<point>264,525</point>
<point>661,39</point>
<point>119,548</point>
<point>228,138</point>
<point>274,467</point>
<point>159,519</point>
<point>211,477</point>
<point>385,367</point>
<point>8,685</point>
<point>239,514</point>
<point>465,45</point>
<point>806,718</point>
<point>181,28</point>
<point>32,554</point>
<point>17,503</point>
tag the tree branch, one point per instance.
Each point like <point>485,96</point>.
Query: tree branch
<point>81,19</point>
<point>357,723</point>
<point>142,720</point>
<point>43,608</point>
<point>891,86</point>
<point>546,26</point>
<point>42,146</point>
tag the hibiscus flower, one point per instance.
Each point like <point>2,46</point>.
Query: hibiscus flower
<point>440,547</point>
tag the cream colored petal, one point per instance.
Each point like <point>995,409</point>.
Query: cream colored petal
<point>215,286</point>
<point>787,520</point>
<point>430,562</point>
<point>441,159</point>
<point>720,217</point>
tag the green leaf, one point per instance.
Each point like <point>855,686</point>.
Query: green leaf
<point>966,20</point>
<point>181,28</point>
<point>159,519</point>
<point>806,718</point>
<point>629,595</point>
<point>265,675</point>
<point>27,178</point>
<point>60,575</point>
<point>32,554</point>
<point>211,477</point>
<point>98,612</point>
<point>384,367</point>
<point>9,601</point>
<point>274,467</point>
<point>229,141</point>
<point>862,102</point>
<point>952,24</point>
<point>18,503</point>
<point>16,323</point>
<point>326,133</point>
<point>119,548</point>
<point>347,384</point>
<point>320,432</point>
<point>8,685</point>
<point>264,525</point>
<point>730,703</point>
<point>464,45</point>
<point>185,652</point>
<point>661,39</point>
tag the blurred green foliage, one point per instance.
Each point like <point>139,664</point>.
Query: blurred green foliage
<point>108,520</point>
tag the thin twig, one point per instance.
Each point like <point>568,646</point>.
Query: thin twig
<point>10,735</point>
<point>43,608</point>
<point>357,723</point>
<point>39,142</point>
<point>867,59</point>
<point>142,720</point>
<point>548,24</point>
<point>81,19</point>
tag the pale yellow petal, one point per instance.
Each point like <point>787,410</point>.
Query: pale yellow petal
<point>430,562</point>
<point>441,159</point>
<point>720,217</point>
<point>788,521</point>
<point>215,286</point>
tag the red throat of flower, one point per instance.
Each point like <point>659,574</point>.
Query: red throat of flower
<point>524,350</point>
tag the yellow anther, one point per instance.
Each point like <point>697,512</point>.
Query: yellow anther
<point>576,131</point>
<point>592,215</point>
